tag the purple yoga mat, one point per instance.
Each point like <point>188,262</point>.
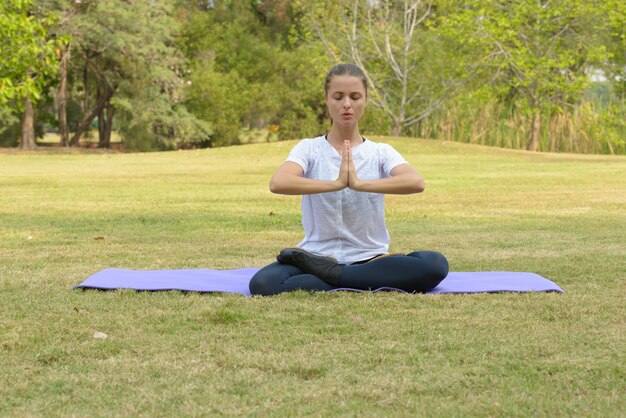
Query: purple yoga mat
<point>236,281</point>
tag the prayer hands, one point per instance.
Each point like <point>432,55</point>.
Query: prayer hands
<point>353,179</point>
<point>344,168</point>
<point>347,170</point>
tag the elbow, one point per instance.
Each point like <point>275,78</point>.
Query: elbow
<point>419,186</point>
<point>275,186</point>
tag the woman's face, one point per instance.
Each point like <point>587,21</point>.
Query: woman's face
<point>346,100</point>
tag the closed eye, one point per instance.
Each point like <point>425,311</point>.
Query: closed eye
<point>354,96</point>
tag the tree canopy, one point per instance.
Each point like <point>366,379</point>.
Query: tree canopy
<point>28,55</point>
<point>172,74</point>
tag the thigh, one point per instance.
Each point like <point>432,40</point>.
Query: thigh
<point>416,272</point>
<point>435,259</point>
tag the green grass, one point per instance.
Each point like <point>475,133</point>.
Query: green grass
<point>186,354</point>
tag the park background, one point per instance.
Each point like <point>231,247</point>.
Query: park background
<point>194,76</point>
<point>162,75</point>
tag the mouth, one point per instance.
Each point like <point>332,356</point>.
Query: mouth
<point>346,114</point>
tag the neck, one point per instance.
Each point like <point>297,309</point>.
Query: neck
<point>338,134</point>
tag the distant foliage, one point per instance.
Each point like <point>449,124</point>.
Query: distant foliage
<point>249,68</point>
<point>589,127</point>
<point>175,74</point>
<point>407,64</point>
<point>27,54</point>
<point>535,53</point>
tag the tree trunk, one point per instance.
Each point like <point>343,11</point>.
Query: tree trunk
<point>101,128</point>
<point>397,127</point>
<point>28,126</point>
<point>107,126</point>
<point>109,130</point>
<point>535,132</point>
<point>85,102</point>
<point>84,107</point>
<point>87,119</point>
<point>101,122</point>
<point>62,99</point>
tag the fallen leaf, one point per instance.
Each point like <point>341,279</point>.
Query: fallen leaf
<point>100,335</point>
<point>29,237</point>
<point>99,238</point>
<point>272,214</point>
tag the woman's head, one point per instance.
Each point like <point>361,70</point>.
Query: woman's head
<point>346,93</point>
<point>345,70</point>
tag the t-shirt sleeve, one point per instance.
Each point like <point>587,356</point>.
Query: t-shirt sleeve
<point>301,154</point>
<point>390,158</point>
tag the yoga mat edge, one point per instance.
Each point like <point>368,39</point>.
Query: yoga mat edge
<point>236,281</point>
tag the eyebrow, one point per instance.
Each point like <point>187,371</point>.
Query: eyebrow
<point>343,92</point>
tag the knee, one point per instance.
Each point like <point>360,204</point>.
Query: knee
<point>269,280</point>
<point>262,283</point>
<point>437,263</point>
<point>440,265</point>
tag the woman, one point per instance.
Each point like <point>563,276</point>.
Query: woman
<point>343,178</point>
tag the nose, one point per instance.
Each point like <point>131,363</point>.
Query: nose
<point>346,103</point>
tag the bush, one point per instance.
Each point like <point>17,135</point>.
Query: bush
<point>10,128</point>
<point>141,138</point>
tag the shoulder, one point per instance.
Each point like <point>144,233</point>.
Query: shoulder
<point>310,143</point>
<point>388,157</point>
<point>380,148</point>
<point>306,150</point>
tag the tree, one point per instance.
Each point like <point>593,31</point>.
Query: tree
<point>616,65</point>
<point>539,51</point>
<point>407,69</point>
<point>248,68</point>
<point>125,64</point>
<point>27,61</point>
<point>64,11</point>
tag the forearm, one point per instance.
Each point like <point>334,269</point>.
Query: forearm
<point>400,184</point>
<point>297,185</point>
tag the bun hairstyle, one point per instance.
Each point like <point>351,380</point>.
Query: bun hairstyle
<point>345,69</point>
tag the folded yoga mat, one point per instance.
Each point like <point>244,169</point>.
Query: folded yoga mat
<point>236,281</point>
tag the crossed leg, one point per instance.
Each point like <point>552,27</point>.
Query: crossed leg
<point>418,271</point>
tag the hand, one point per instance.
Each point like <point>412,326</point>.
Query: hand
<point>353,180</point>
<point>342,179</point>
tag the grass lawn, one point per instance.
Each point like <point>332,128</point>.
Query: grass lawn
<point>64,216</point>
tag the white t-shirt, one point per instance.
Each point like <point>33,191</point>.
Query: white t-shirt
<point>346,224</point>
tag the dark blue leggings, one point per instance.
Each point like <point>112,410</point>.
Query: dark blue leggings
<point>419,271</point>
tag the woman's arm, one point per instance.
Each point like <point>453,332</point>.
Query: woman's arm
<point>404,180</point>
<point>288,180</point>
